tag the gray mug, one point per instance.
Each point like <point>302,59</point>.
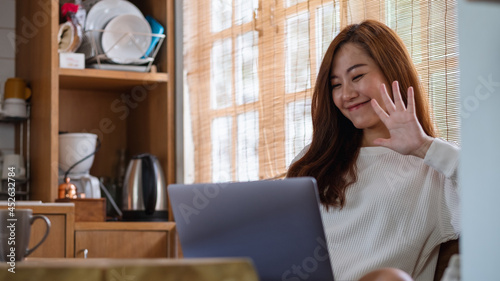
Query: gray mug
<point>15,230</point>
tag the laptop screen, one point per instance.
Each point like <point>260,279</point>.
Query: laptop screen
<point>275,223</point>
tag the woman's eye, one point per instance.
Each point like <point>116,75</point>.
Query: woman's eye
<point>357,77</point>
<point>334,86</point>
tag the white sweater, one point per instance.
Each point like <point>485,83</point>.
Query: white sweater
<point>397,213</point>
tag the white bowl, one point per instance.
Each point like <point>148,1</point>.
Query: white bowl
<point>126,38</point>
<point>73,147</point>
<point>14,107</point>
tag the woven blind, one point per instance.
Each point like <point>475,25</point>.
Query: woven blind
<point>250,67</point>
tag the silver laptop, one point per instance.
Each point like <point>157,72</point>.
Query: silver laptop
<point>275,223</point>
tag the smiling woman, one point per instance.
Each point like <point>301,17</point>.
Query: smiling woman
<point>382,175</point>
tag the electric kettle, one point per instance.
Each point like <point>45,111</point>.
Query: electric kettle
<point>144,190</point>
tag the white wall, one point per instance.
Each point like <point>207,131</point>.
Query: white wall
<point>479,39</point>
<point>7,66</point>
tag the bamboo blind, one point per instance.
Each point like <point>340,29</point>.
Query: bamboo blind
<point>250,66</point>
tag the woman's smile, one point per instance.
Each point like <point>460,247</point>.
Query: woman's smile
<point>358,105</point>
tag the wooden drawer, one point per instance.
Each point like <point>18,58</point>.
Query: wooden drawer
<point>54,246</point>
<point>125,240</point>
<point>59,243</point>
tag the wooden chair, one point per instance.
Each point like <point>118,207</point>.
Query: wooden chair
<point>446,250</point>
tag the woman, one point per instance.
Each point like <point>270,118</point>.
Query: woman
<point>387,186</point>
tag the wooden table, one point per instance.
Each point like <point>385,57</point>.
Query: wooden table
<point>58,269</point>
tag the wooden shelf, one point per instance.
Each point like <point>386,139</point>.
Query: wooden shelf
<point>131,111</point>
<point>93,79</point>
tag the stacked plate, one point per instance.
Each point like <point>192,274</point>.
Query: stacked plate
<point>118,30</point>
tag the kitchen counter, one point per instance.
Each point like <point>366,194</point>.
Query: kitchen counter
<point>216,269</point>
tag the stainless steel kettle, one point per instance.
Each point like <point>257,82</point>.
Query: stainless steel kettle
<point>144,190</point>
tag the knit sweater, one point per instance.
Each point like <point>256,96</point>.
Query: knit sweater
<point>397,213</point>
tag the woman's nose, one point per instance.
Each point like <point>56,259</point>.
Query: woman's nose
<point>349,92</point>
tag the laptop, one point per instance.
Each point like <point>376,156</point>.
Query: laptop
<point>276,223</point>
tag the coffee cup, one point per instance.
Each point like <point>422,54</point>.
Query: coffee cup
<point>14,107</point>
<point>13,167</point>
<point>15,230</point>
<point>16,88</point>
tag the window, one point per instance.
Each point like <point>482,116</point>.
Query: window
<point>247,58</point>
<point>248,146</point>
<point>221,149</point>
<point>250,68</point>
<point>328,23</point>
<point>298,127</point>
<point>221,70</point>
<point>297,66</point>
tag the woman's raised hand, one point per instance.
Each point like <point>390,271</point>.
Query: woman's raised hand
<point>407,135</point>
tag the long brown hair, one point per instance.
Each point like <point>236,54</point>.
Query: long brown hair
<point>331,157</point>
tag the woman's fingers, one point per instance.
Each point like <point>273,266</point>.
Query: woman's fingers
<point>389,105</point>
<point>380,112</point>
<point>398,101</point>
<point>398,104</point>
<point>411,100</point>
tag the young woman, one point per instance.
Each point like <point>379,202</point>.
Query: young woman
<point>387,185</point>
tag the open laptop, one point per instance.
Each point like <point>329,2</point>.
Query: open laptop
<point>275,223</point>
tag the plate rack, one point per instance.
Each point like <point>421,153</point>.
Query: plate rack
<point>96,57</point>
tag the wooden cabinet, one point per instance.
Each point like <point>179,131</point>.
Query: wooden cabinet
<point>59,243</point>
<point>127,110</point>
<point>125,240</point>
<point>68,239</point>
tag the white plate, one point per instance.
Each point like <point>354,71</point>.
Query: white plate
<point>102,12</point>
<point>126,38</point>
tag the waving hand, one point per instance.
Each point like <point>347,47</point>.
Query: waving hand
<point>407,135</point>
